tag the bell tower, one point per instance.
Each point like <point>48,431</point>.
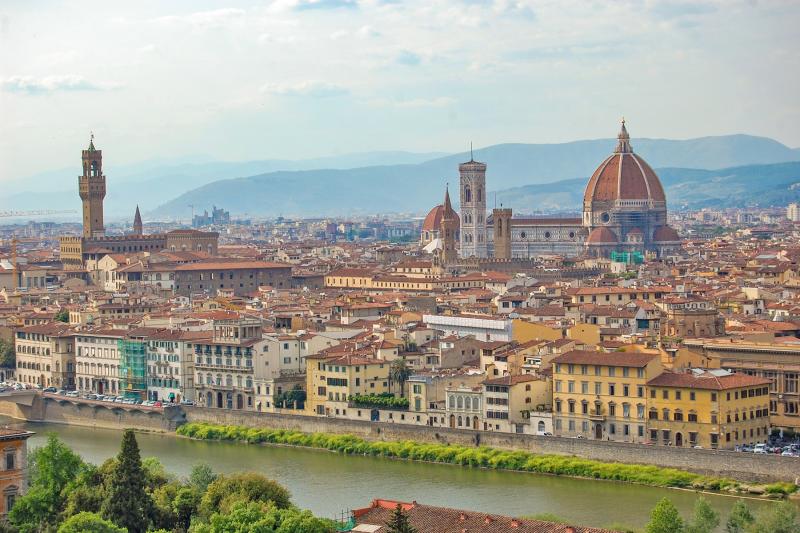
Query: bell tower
<point>472,178</point>
<point>92,190</point>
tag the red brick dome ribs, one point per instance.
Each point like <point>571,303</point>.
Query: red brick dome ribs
<point>624,176</point>
<point>433,220</point>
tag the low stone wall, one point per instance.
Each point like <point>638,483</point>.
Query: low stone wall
<point>741,466</point>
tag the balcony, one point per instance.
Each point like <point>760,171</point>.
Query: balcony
<point>597,415</point>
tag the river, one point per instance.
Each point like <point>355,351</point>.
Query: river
<point>329,484</point>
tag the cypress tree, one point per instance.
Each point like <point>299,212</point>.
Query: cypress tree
<point>399,523</point>
<point>127,503</point>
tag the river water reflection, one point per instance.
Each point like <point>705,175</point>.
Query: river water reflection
<point>329,484</point>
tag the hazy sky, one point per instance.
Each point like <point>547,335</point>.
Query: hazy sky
<point>302,78</point>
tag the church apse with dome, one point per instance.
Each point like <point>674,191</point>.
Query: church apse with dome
<point>624,210</point>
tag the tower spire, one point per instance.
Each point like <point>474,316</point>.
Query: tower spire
<point>137,222</point>
<point>91,141</point>
<point>623,140</point>
<point>471,157</point>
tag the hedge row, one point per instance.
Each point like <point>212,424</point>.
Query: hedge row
<point>461,455</point>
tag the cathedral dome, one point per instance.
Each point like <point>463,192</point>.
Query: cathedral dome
<point>666,234</point>
<point>602,235</point>
<point>433,220</point>
<point>624,176</point>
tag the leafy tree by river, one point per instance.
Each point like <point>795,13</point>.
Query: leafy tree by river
<point>779,518</point>
<point>127,494</point>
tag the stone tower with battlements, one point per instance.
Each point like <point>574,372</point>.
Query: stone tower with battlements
<point>472,176</point>
<point>92,190</point>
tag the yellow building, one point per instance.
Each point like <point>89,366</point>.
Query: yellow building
<point>602,396</point>
<point>335,378</point>
<point>708,408</point>
<point>45,355</point>
<point>779,362</point>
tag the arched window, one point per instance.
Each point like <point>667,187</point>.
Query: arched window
<point>460,403</point>
<point>467,403</point>
<point>467,197</point>
<point>452,402</point>
<point>460,421</point>
<point>540,427</point>
<point>480,194</point>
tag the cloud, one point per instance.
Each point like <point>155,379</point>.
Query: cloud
<point>408,58</point>
<point>441,101</point>
<point>52,84</point>
<point>367,31</point>
<point>305,5</point>
<point>314,89</point>
<point>216,18</point>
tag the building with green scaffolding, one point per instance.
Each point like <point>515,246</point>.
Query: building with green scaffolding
<point>132,368</point>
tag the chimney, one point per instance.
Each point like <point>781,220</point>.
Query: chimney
<point>487,520</point>
<point>514,523</point>
<point>462,517</point>
<point>569,529</point>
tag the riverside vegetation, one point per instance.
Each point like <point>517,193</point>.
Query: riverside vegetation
<point>482,457</point>
<point>129,495</point>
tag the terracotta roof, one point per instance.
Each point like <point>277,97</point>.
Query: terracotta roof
<point>624,176</point>
<point>585,357</point>
<point>602,235</point>
<point>230,265</point>
<point>666,234</point>
<point>430,519</point>
<point>433,221</point>
<point>706,380</point>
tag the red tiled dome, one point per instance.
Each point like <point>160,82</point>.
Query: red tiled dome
<point>602,235</point>
<point>624,176</point>
<point>433,220</point>
<point>666,234</point>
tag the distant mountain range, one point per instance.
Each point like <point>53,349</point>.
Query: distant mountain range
<point>745,186</point>
<point>149,183</point>
<point>527,177</point>
<point>535,168</point>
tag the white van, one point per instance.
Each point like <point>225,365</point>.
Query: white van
<point>760,448</point>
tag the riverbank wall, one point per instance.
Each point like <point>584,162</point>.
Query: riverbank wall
<point>745,467</point>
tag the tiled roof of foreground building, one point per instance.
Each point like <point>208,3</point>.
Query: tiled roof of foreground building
<point>430,519</point>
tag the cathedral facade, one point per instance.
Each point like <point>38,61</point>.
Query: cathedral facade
<point>624,210</point>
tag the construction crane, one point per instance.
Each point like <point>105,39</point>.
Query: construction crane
<point>36,213</point>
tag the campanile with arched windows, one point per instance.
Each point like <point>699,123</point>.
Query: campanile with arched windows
<point>92,190</point>
<point>472,178</point>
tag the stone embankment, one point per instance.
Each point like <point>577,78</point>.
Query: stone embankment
<point>746,467</point>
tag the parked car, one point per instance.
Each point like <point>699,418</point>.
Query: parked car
<point>760,448</point>
<point>72,394</point>
<point>61,392</point>
<point>187,402</point>
<point>50,390</point>
<point>157,404</point>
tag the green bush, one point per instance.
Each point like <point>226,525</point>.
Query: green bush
<point>782,489</point>
<point>383,400</point>
<point>468,456</point>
